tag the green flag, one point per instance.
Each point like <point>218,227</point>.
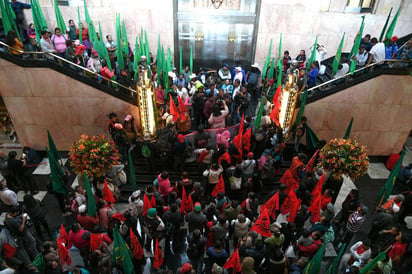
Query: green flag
<point>105,53</point>
<point>56,175</point>
<point>387,188</point>
<point>136,58</point>
<point>181,60</point>
<point>86,14</point>
<point>146,48</point>
<point>313,267</point>
<point>59,18</point>
<point>332,269</point>
<point>53,148</point>
<point>301,109</point>
<point>38,19</point>
<point>121,254</point>
<point>272,69</point>
<point>191,58</point>
<point>91,203</point>
<point>371,265</point>
<point>385,26</point>
<point>355,47</point>
<point>348,129</point>
<point>119,54</point>
<point>132,174</point>
<point>312,139</point>
<point>312,57</point>
<point>267,61</point>
<point>280,64</point>
<point>40,263</point>
<point>7,22</point>
<point>336,60</point>
<point>259,115</point>
<point>125,43</point>
<point>80,25</point>
<point>391,27</point>
<point>10,17</point>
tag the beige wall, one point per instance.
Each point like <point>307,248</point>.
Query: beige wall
<point>40,98</point>
<point>298,20</point>
<point>381,108</point>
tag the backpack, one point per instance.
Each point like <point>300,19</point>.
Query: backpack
<point>146,152</point>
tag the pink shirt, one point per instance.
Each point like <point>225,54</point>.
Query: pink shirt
<point>59,43</point>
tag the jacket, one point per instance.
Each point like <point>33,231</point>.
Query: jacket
<point>164,185</point>
<point>219,121</point>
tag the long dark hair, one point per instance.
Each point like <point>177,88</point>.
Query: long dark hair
<point>11,38</point>
<point>217,111</point>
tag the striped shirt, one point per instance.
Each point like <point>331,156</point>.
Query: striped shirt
<point>355,221</point>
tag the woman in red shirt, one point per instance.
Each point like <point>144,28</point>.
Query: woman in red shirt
<point>398,249</point>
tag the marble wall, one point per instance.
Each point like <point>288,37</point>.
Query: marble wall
<point>38,99</point>
<point>299,21</point>
<point>381,108</point>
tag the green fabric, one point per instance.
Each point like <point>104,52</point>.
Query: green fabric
<point>38,19</point>
<point>272,68</point>
<point>336,60</point>
<point>56,175</point>
<point>312,139</point>
<point>348,129</point>
<point>147,49</point>
<point>121,255</point>
<point>132,174</point>
<point>59,18</point>
<point>53,148</point>
<point>119,54</point>
<point>7,23</point>
<point>86,14</point>
<point>151,212</point>
<point>391,27</point>
<point>258,119</point>
<point>386,190</point>
<point>332,269</point>
<point>80,27</point>
<point>385,26</point>
<point>125,43</point>
<point>9,18</point>
<point>91,203</point>
<point>40,263</point>
<point>312,57</point>
<point>372,263</point>
<point>355,47</point>
<point>267,61</point>
<point>103,49</point>
<point>313,267</point>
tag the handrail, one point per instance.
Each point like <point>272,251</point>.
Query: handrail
<point>71,63</point>
<point>357,70</point>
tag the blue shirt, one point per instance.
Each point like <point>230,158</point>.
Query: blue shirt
<point>18,6</point>
<point>312,75</point>
<point>178,81</point>
<point>390,50</point>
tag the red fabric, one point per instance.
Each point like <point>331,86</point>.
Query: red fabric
<point>318,188</point>
<point>289,180</point>
<point>182,109</point>
<point>146,204</point>
<point>295,167</point>
<point>398,249</point>
<point>153,201</point>
<point>95,241</point>
<point>272,205</point>
<point>158,259</point>
<point>261,225</point>
<point>237,141</point>
<point>314,208</point>
<point>325,201</point>
<point>187,203</point>
<point>246,139</point>
<point>361,249</point>
<point>173,109</point>
<point>311,163</point>
<point>225,157</point>
<point>135,247</point>
<point>106,72</point>
<point>234,262</point>
<point>80,49</point>
<point>63,253</point>
<point>202,155</point>
<point>274,115</point>
<point>108,194</point>
<point>9,250</point>
<point>88,222</point>
<point>119,216</point>
<point>294,210</point>
<point>220,187</point>
<point>64,238</point>
<point>309,251</point>
<point>78,239</point>
<point>289,202</point>
<point>391,162</point>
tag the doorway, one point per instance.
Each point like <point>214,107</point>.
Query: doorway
<point>218,34</point>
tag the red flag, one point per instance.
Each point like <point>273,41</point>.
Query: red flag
<point>294,210</point>
<point>311,163</point>
<point>220,187</point>
<point>318,188</point>
<point>119,216</point>
<point>274,114</point>
<point>288,203</point>
<point>173,109</point>
<point>146,204</point>
<point>187,204</point>
<point>64,253</point>
<point>246,139</point>
<point>135,247</point>
<point>237,140</point>
<point>277,95</point>
<point>261,225</point>
<point>108,194</point>
<point>271,205</point>
<point>158,259</point>
<point>314,208</point>
<point>95,241</point>
<point>182,109</point>
<point>241,125</point>
<point>64,238</point>
<point>234,262</point>
<point>153,201</point>
<point>289,180</point>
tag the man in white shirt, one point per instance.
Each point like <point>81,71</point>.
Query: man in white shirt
<point>361,57</point>
<point>7,196</point>
<point>377,52</point>
<point>111,45</point>
<point>342,70</point>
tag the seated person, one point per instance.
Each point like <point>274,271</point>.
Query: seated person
<point>313,73</point>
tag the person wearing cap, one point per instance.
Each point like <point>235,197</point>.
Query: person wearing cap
<point>197,219</point>
<point>248,166</point>
<point>224,73</point>
<point>86,221</point>
<point>185,269</point>
<point>238,73</point>
<point>391,48</point>
<point>377,52</point>
<point>153,227</point>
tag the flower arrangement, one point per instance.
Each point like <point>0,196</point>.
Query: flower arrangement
<point>344,156</point>
<point>94,155</point>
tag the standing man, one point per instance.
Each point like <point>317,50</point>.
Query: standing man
<point>31,160</point>
<point>18,10</point>
<point>72,30</point>
<point>111,45</point>
<point>377,52</point>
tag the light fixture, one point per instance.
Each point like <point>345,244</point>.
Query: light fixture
<point>217,3</point>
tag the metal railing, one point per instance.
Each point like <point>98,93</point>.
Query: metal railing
<point>345,76</point>
<point>115,83</point>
